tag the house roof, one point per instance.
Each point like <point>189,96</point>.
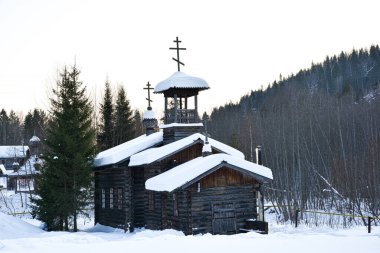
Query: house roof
<point>13,151</point>
<point>4,171</point>
<point>34,139</point>
<point>181,80</point>
<point>189,172</point>
<point>124,151</point>
<point>28,168</point>
<point>163,126</point>
<point>154,154</point>
<point>149,114</point>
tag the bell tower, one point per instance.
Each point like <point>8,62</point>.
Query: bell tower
<point>181,102</point>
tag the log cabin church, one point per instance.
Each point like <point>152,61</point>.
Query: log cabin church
<point>176,177</point>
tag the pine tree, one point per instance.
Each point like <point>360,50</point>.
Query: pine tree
<point>105,137</point>
<point>124,129</point>
<point>64,185</point>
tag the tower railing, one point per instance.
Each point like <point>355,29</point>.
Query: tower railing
<point>181,116</point>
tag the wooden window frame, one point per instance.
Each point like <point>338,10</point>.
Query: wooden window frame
<point>111,196</point>
<point>103,198</point>
<point>120,198</point>
<point>151,201</point>
<point>175,205</point>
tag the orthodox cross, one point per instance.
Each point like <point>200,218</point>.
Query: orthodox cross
<point>177,48</point>
<point>148,87</point>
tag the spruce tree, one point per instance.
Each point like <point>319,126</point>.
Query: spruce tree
<point>34,124</point>
<point>63,189</point>
<point>15,130</point>
<point>124,129</point>
<point>137,123</point>
<point>105,137</point>
<point>4,123</point>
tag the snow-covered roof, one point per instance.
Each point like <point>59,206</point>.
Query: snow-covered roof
<point>181,125</point>
<point>180,80</point>
<point>28,168</point>
<point>125,150</point>
<point>149,114</point>
<point>206,148</point>
<point>13,151</point>
<point>34,139</point>
<point>5,171</point>
<point>187,172</point>
<point>154,154</point>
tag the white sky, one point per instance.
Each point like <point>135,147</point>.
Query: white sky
<point>235,45</point>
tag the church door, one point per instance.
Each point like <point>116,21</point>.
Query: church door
<point>223,218</point>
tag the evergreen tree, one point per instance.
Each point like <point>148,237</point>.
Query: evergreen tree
<point>138,125</point>
<point>105,137</point>
<point>15,129</point>
<point>4,122</point>
<point>28,126</point>
<point>10,128</point>
<point>35,124</point>
<point>124,129</point>
<point>64,186</point>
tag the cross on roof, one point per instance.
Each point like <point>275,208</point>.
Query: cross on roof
<point>177,48</point>
<point>148,87</point>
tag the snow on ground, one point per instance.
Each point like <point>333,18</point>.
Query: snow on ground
<point>18,236</point>
<point>11,202</point>
<point>26,235</point>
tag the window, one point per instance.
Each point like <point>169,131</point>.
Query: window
<point>175,205</point>
<point>119,198</point>
<point>103,198</point>
<point>151,201</point>
<point>111,198</point>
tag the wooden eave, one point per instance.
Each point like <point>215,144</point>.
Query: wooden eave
<point>172,153</point>
<point>258,177</point>
<point>181,92</point>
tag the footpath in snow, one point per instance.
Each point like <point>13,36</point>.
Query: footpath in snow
<point>19,236</point>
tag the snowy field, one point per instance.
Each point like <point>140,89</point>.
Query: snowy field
<point>18,235</point>
<point>25,235</point>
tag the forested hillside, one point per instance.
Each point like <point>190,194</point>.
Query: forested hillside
<point>320,134</point>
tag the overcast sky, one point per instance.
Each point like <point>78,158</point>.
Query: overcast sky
<point>236,46</point>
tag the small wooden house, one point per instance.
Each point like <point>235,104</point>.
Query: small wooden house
<point>22,178</point>
<point>9,155</point>
<point>177,177</point>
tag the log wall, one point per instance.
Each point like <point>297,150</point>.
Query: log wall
<point>203,204</point>
<point>138,193</point>
<point>116,178</point>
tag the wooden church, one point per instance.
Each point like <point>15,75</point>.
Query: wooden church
<point>177,177</point>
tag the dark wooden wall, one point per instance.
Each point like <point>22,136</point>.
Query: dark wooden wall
<point>186,155</point>
<point>153,215</point>
<point>225,196</point>
<point>162,216</point>
<point>240,198</point>
<point>225,192</point>
<point>138,193</point>
<point>113,178</point>
<point>226,177</point>
<point>176,133</point>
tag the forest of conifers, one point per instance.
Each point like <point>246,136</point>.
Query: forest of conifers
<point>320,134</point>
